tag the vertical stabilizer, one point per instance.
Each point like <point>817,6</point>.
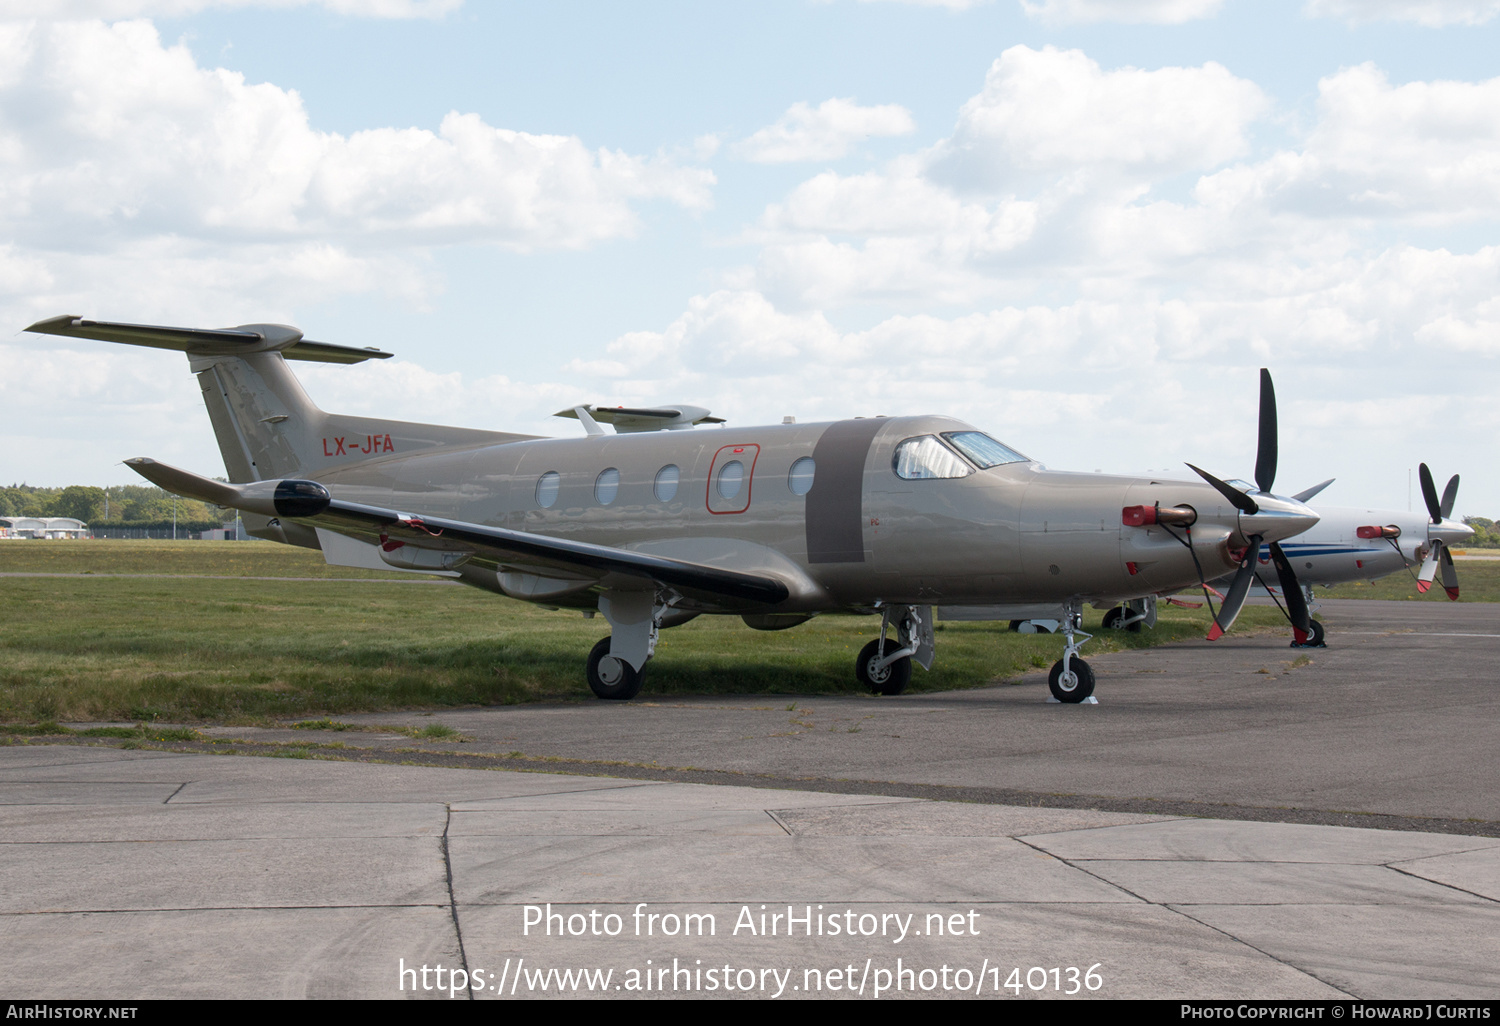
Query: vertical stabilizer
<point>266,425</point>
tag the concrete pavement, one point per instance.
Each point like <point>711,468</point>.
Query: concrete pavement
<point>141,875</point>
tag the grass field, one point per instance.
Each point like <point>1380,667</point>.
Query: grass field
<point>203,648</point>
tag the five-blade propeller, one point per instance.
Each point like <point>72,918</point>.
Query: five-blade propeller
<point>1437,553</point>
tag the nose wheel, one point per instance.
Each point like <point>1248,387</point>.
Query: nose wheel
<point>1071,683</point>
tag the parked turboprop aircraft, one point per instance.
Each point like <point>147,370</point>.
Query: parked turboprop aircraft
<point>1353,544</point>
<point>654,527</point>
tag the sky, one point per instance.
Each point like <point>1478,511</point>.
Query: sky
<point>1081,225</point>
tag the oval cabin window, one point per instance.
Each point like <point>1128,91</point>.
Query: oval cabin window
<point>607,486</point>
<point>731,479</point>
<point>546,489</point>
<point>800,478</point>
<point>666,482</point>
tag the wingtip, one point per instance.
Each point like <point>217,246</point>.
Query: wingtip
<point>1215,632</point>
<point>1452,594</point>
<point>1423,587</point>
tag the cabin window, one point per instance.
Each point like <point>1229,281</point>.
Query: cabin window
<point>925,458</point>
<point>546,489</point>
<point>607,486</point>
<point>666,482</point>
<point>731,479</point>
<point>983,450</point>
<point>800,478</point>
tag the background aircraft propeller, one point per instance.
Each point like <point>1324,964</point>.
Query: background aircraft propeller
<point>1437,552</point>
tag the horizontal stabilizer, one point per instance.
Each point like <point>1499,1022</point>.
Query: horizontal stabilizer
<point>239,341</point>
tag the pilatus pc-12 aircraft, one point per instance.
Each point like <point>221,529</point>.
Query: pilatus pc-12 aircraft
<point>657,523</point>
<point>1360,544</point>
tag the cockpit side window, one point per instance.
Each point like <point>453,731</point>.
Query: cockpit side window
<point>925,458</point>
<point>983,450</point>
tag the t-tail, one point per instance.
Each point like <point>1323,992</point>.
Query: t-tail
<point>266,426</point>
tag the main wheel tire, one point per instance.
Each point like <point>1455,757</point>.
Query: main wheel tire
<point>1077,685</point>
<point>1315,634</point>
<point>613,678</point>
<point>1015,625</point>
<point>1112,618</point>
<point>888,680</point>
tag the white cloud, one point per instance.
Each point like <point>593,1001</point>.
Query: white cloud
<point>952,5</point>
<point>1159,12</point>
<point>112,10</point>
<point>825,132</point>
<point>1425,151</point>
<point>104,131</point>
<point>1050,112</point>
<point>1431,13</point>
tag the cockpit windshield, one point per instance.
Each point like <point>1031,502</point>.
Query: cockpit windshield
<point>983,450</point>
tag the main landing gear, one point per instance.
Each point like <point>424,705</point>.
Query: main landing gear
<point>1314,636</point>
<point>617,664</point>
<point>1132,615</point>
<point>884,665</point>
<point>1071,680</point>
<point>611,677</point>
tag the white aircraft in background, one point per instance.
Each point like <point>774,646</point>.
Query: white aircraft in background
<point>1357,544</point>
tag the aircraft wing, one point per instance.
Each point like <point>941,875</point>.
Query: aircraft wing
<point>539,553</point>
<point>310,503</point>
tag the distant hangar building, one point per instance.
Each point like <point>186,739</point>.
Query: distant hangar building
<point>15,528</point>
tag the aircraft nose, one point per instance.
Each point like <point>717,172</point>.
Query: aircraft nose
<point>1277,518</point>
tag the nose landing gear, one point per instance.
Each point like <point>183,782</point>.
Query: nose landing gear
<point>1071,680</point>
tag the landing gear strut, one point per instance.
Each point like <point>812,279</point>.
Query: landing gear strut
<point>1071,679</point>
<point>884,665</point>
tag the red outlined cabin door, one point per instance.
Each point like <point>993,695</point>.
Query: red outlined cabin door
<point>730,478</point>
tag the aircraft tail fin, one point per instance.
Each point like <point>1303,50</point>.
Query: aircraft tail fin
<point>266,425</point>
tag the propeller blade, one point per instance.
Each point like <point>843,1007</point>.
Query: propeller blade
<point>1238,589</point>
<point>1449,495</point>
<point>1450,575</point>
<point>1296,603</point>
<point>1429,567</point>
<point>1429,493</point>
<point>1265,452</point>
<point>1308,493</point>
<point>1238,499</point>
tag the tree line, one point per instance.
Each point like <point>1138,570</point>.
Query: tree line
<point>116,506</point>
